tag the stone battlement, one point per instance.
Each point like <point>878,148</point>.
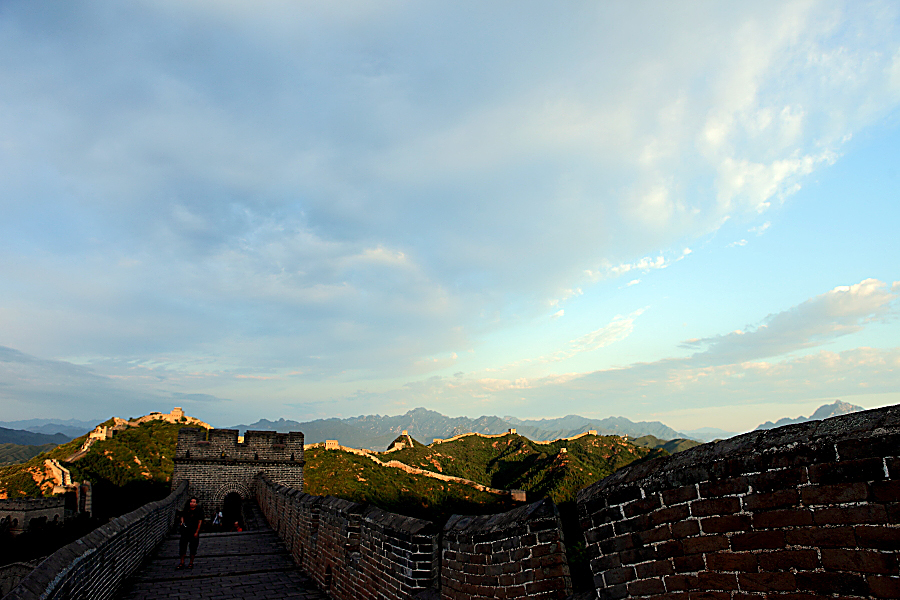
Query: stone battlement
<point>222,444</point>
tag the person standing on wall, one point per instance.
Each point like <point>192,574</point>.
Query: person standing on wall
<point>191,521</point>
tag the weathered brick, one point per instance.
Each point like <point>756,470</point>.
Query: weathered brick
<point>619,575</point>
<point>715,506</point>
<point>771,500</point>
<point>866,469</point>
<point>676,583</point>
<point>645,587</point>
<point>875,446</point>
<point>725,524</point>
<point>860,561</point>
<point>767,582</point>
<point>884,587</point>
<point>788,517</point>
<point>771,481</point>
<point>686,529</point>
<point>884,491</point>
<point>723,487</point>
<point>642,506</point>
<point>732,561</point>
<point>827,584</point>
<point>757,540</point>
<point>703,544</point>
<point>707,580</point>
<point>881,538</point>
<point>835,494</point>
<point>670,515</point>
<point>679,495</point>
<point>785,560</point>
<point>826,537</point>
<point>851,515</point>
<point>656,568</point>
<point>688,564</point>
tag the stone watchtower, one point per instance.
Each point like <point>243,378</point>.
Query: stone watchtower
<point>215,464</point>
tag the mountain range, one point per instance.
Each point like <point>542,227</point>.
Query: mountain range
<point>377,431</point>
<point>823,412</point>
<point>71,428</point>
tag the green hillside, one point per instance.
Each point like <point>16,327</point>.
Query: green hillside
<point>132,468</point>
<point>515,462</point>
<point>357,478</point>
<point>670,446</point>
<point>17,453</point>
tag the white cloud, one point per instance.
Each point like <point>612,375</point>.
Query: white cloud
<point>632,282</point>
<point>842,311</point>
<point>558,314</point>
<point>737,243</point>
<point>760,229</point>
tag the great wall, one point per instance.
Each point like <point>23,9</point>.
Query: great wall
<point>797,512</point>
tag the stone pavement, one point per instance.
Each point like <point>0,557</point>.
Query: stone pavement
<point>250,564</point>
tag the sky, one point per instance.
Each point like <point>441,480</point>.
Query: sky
<point>684,212</point>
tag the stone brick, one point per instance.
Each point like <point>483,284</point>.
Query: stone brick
<point>851,515</point>
<point>725,524</point>
<point>676,583</point>
<point>757,540</point>
<point>767,582</point>
<point>826,584</point>
<point>866,469</point>
<point>688,564</point>
<point>656,568</point>
<point>679,495</point>
<point>707,580</point>
<point>685,529</point>
<point>884,491</point>
<point>704,544</point>
<point>728,561</point>
<point>782,479</point>
<point>835,494</point>
<point>772,500</point>
<point>642,506</point>
<point>788,517</point>
<point>645,587</point>
<point>884,587</point>
<point>670,515</point>
<point>715,506</point>
<point>860,561</point>
<point>825,537</point>
<point>881,538</point>
<point>785,560</point>
<point>723,487</point>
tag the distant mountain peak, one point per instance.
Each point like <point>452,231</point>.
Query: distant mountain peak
<point>825,411</point>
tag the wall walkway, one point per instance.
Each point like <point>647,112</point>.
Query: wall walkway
<point>252,564</point>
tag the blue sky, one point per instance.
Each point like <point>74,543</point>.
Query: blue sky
<point>683,212</point>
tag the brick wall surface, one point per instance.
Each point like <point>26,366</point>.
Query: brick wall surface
<point>95,566</point>
<point>517,554</point>
<point>215,464</point>
<point>797,512</point>
<point>352,550</point>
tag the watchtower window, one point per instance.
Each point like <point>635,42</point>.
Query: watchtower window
<point>256,456</point>
<point>223,454</point>
<point>292,457</point>
<point>187,454</point>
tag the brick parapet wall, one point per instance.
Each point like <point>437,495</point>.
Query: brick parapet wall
<point>352,550</point>
<point>95,565</point>
<point>517,554</point>
<point>795,512</point>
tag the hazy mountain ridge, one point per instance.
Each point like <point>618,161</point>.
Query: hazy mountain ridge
<point>68,427</point>
<point>21,437</point>
<point>377,431</point>
<point>823,412</point>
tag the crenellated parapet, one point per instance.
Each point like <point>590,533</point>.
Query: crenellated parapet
<point>222,444</point>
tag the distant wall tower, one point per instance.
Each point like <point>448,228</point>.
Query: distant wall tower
<point>216,465</point>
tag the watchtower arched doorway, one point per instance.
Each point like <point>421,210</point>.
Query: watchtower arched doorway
<point>232,512</point>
